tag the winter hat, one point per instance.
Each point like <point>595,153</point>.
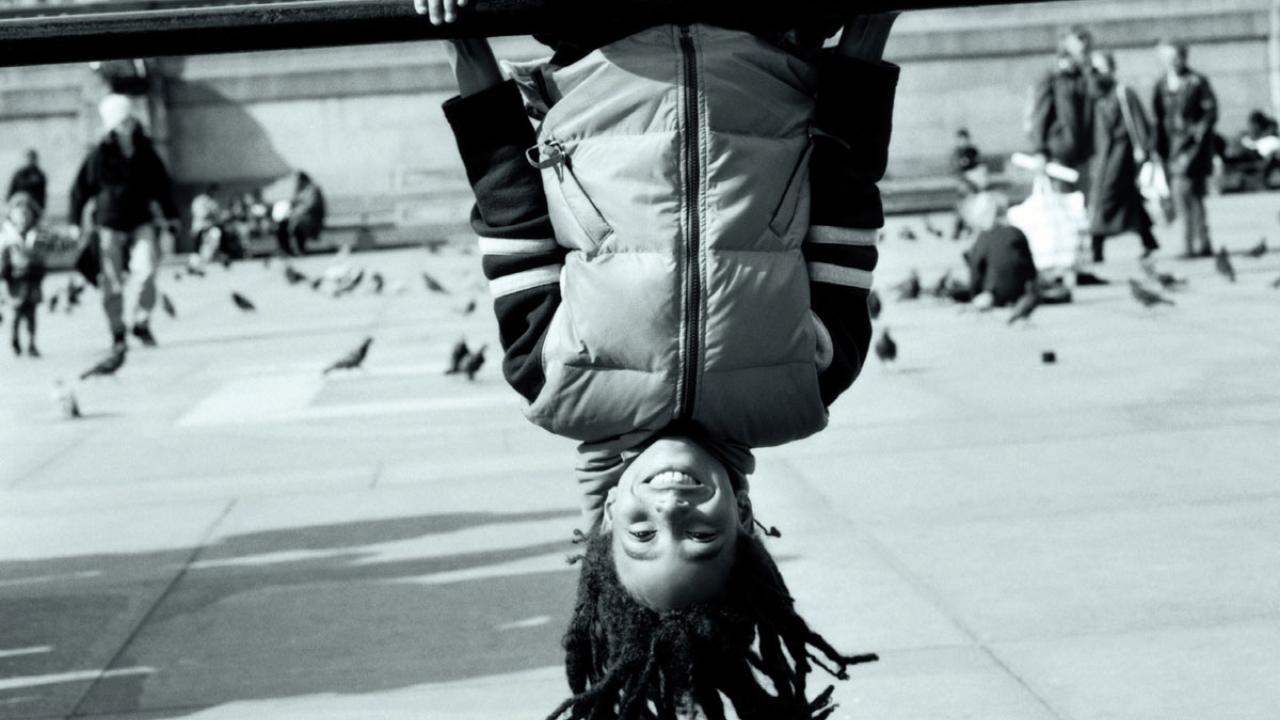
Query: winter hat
<point>25,199</point>
<point>114,109</point>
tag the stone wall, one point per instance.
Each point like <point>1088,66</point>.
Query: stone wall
<point>366,123</point>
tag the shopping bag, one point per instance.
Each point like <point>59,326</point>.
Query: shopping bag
<point>1055,225</point>
<point>1154,186</point>
<point>89,257</point>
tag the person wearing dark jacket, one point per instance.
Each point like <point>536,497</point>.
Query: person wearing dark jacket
<point>1061,112</point>
<point>1000,261</point>
<point>1186,112</point>
<point>30,179</point>
<point>306,213</point>
<point>1121,142</point>
<point>126,184</point>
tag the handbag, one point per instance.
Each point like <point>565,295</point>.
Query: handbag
<point>1153,183</point>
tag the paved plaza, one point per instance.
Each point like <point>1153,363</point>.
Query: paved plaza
<point>229,534</point>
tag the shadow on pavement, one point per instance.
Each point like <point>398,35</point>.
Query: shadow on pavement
<point>279,613</point>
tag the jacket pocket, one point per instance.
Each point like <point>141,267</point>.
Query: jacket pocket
<point>577,220</point>
<point>789,202</point>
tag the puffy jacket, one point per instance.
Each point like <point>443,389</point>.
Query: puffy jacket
<point>662,264</point>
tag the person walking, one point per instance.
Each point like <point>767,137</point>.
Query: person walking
<point>125,183</point>
<point>30,179</point>
<point>1121,144</point>
<point>23,265</point>
<point>1061,112</point>
<point>1186,113</point>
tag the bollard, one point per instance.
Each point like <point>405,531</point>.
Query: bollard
<point>87,36</point>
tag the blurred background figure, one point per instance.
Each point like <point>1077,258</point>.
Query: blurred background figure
<point>1000,262</point>
<point>206,224</point>
<point>306,214</point>
<point>1061,112</point>
<point>972,176</point>
<point>123,194</point>
<point>1186,113</point>
<point>23,266</point>
<point>30,179</point>
<point>1121,144</point>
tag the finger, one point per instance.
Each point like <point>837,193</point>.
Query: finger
<point>434,10</point>
<point>450,10</point>
<point>420,6</point>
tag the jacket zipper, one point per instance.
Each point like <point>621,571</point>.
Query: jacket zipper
<point>692,269</point>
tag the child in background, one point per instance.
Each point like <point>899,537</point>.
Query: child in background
<point>672,291</point>
<point>23,266</point>
<point>1000,261</point>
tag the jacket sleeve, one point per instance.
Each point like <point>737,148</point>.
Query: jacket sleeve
<point>852,126</point>
<point>520,256</point>
<point>1042,115</point>
<point>162,186</point>
<point>1201,136</point>
<point>83,190</point>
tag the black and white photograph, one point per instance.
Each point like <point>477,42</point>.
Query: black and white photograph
<point>640,359</point>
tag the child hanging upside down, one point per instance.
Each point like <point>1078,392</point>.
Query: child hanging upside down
<point>680,257</point>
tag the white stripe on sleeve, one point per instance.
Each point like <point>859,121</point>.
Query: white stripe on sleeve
<point>515,246</point>
<point>838,275</point>
<point>524,280</point>
<point>832,235</point>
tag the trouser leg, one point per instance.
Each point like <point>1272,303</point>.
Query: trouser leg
<point>1148,239</point>
<point>1198,217</point>
<point>142,272</point>
<point>28,313</point>
<point>111,281</point>
<point>1097,243</point>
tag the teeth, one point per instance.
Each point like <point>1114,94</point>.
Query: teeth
<point>673,478</point>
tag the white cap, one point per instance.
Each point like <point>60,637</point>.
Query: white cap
<point>115,109</point>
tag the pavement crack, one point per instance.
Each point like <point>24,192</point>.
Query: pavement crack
<point>192,557</point>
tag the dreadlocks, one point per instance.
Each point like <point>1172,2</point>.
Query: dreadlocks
<point>625,661</point>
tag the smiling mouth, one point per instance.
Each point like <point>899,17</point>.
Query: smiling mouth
<point>673,480</point>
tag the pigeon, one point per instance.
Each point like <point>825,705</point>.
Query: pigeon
<point>349,285</point>
<point>433,246</point>
<point>377,281</point>
<point>66,400</point>
<point>353,359</point>
<point>242,302</point>
<point>167,304</point>
<point>909,289</point>
<point>474,362</point>
<point>874,306</point>
<point>932,229</point>
<point>907,234</point>
<point>315,284</point>
<point>107,367</point>
<point>1166,280</point>
<point>941,287</point>
<point>886,348</point>
<point>226,262</point>
<point>456,357</point>
<point>469,308</point>
<point>1027,304</point>
<point>433,285</point>
<point>193,270</point>
<point>292,275</point>
<point>53,302</point>
<point>1222,263</point>
<point>1258,250</point>
<point>177,277</point>
<point>1148,298</point>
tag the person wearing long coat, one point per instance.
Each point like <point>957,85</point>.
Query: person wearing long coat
<point>1122,141</point>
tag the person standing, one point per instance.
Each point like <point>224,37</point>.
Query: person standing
<point>306,212</point>
<point>23,266</point>
<point>126,184</point>
<point>1121,144</point>
<point>30,179</point>
<point>1186,113</point>
<point>1061,113</point>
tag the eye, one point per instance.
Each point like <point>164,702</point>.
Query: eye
<point>700,536</point>
<point>643,535</point>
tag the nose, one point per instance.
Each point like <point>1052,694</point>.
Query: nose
<point>669,503</point>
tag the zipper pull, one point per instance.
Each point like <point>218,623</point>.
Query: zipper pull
<point>549,154</point>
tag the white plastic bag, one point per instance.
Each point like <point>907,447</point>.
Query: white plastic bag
<point>1055,225</point>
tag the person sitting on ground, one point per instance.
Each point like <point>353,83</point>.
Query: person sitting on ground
<point>1000,261</point>
<point>306,213</point>
<point>206,224</point>
<point>669,300</point>
<point>23,265</point>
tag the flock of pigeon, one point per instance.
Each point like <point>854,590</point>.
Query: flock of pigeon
<point>339,279</point>
<point>1148,291</point>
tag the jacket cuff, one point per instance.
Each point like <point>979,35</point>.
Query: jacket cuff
<point>486,122</point>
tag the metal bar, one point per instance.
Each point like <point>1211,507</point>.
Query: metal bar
<point>328,23</point>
